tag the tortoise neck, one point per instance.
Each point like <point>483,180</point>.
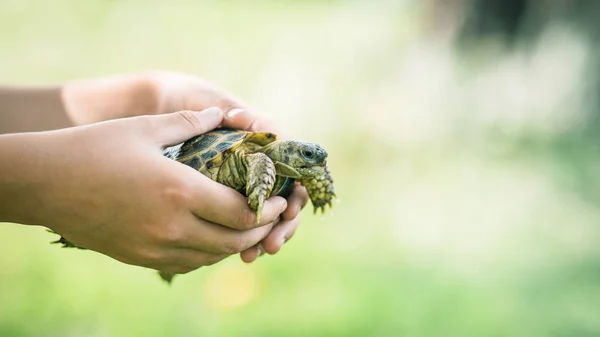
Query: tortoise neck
<point>274,150</point>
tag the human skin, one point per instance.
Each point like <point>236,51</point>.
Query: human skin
<point>88,179</point>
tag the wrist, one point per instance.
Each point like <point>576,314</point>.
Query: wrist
<point>26,158</point>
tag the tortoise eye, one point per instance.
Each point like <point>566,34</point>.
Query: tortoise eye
<point>307,153</point>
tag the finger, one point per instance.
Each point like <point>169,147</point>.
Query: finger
<point>240,117</point>
<point>209,237</point>
<point>174,128</point>
<point>280,234</point>
<point>237,113</point>
<point>252,253</point>
<point>225,206</point>
<point>295,203</point>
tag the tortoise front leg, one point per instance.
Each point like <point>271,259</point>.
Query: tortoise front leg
<point>320,190</point>
<point>259,181</point>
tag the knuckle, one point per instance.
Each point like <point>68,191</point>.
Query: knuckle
<point>177,196</point>
<point>173,233</point>
<point>190,118</point>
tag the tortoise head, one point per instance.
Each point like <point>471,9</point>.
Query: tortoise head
<point>297,159</point>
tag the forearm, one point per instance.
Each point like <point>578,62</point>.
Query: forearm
<point>22,171</point>
<point>39,174</point>
<point>32,109</point>
<point>77,103</point>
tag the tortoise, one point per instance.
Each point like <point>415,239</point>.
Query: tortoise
<point>257,164</point>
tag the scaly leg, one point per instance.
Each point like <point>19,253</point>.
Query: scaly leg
<point>259,181</point>
<point>320,190</point>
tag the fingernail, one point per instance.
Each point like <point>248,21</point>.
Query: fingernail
<point>231,113</point>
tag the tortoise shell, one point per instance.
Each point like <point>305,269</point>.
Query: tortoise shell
<point>206,152</point>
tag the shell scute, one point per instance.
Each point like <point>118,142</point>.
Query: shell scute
<point>236,136</point>
<point>261,138</point>
<point>209,154</point>
<point>224,146</point>
<point>205,142</point>
<point>193,162</point>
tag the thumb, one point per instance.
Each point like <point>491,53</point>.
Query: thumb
<point>177,127</point>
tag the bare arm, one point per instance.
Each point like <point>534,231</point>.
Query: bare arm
<point>108,187</point>
<point>118,96</point>
<point>31,109</point>
<point>76,103</point>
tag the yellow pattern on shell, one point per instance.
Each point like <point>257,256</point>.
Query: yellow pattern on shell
<point>207,152</point>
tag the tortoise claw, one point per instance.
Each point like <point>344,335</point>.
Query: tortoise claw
<point>320,207</point>
<point>259,213</point>
<point>64,242</point>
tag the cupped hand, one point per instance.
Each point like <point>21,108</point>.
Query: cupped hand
<point>112,190</point>
<point>181,91</point>
<point>161,92</point>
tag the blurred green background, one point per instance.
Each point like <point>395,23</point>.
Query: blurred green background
<point>466,161</point>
